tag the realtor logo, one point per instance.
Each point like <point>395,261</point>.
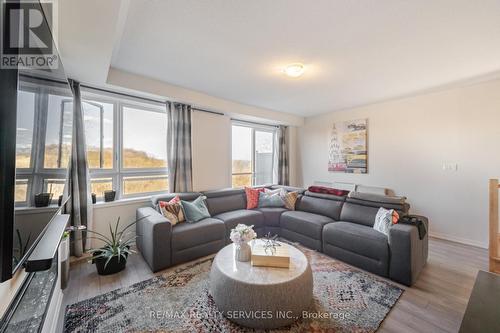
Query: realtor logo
<point>26,35</point>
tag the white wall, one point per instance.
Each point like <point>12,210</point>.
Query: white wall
<point>408,142</point>
<point>211,144</point>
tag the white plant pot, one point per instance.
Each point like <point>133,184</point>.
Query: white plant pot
<point>64,249</point>
<point>243,252</point>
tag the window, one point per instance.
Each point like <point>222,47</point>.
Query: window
<point>126,145</point>
<point>144,138</point>
<point>98,119</point>
<point>58,133</point>
<point>43,140</point>
<point>252,154</point>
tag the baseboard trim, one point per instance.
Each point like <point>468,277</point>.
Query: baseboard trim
<point>460,240</point>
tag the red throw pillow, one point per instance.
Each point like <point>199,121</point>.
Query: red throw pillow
<point>253,197</point>
<point>328,190</point>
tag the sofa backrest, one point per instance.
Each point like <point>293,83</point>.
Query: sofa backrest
<point>322,204</point>
<point>188,196</point>
<point>221,201</point>
<point>364,212</point>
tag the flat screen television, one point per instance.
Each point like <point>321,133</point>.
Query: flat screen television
<point>36,128</point>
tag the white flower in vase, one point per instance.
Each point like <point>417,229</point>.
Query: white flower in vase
<point>240,236</point>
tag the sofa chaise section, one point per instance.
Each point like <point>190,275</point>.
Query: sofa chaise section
<point>229,206</point>
<point>401,256</point>
<point>357,244</point>
<point>312,212</point>
<point>163,245</point>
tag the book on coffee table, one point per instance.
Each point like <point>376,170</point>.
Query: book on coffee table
<point>276,256</point>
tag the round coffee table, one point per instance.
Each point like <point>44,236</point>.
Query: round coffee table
<point>261,297</point>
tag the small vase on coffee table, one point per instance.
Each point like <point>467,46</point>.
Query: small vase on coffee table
<point>243,252</point>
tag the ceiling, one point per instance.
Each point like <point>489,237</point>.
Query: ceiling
<point>355,52</point>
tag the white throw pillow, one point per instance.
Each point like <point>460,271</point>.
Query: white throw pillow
<point>383,220</point>
<point>273,192</point>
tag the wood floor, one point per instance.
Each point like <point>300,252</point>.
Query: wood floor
<point>436,303</point>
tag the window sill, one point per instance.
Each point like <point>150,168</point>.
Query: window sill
<point>122,202</point>
<point>39,210</point>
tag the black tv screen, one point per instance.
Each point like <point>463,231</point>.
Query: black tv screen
<point>36,137</point>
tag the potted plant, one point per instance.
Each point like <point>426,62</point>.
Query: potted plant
<point>112,257</point>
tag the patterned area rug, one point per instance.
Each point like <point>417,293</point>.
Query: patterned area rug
<point>345,300</point>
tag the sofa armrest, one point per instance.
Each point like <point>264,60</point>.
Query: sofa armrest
<point>408,252</point>
<point>154,236</point>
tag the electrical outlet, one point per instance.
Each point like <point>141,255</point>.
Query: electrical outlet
<point>450,166</point>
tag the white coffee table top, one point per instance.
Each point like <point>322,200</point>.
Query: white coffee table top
<point>246,273</point>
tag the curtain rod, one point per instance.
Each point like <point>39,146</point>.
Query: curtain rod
<point>253,123</point>
<point>145,98</point>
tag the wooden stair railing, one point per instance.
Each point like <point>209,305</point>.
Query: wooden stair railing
<point>494,235</point>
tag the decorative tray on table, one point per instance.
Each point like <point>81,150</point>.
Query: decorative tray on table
<point>270,253</point>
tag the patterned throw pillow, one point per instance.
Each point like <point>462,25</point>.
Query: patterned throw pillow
<point>385,219</point>
<point>253,197</point>
<point>172,210</point>
<point>289,198</point>
<point>269,199</point>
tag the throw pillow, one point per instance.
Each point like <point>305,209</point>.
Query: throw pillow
<point>273,192</point>
<point>253,197</point>
<point>395,217</point>
<point>383,220</point>
<point>196,210</point>
<point>270,200</point>
<point>172,210</point>
<point>290,198</point>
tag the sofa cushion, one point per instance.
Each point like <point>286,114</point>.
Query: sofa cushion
<point>187,235</point>
<point>221,201</point>
<point>320,206</point>
<point>357,238</point>
<point>308,224</point>
<point>359,214</point>
<point>272,215</point>
<point>244,216</point>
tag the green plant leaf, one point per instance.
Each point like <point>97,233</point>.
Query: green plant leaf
<point>116,229</point>
<point>112,235</point>
<point>107,261</point>
<point>131,224</point>
<point>101,235</point>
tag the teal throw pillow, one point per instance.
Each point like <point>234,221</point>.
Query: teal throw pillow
<point>270,200</point>
<point>196,210</point>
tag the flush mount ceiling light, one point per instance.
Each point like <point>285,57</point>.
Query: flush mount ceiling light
<point>294,70</point>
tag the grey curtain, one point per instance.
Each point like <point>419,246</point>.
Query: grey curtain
<point>78,177</point>
<point>283,169</point>
<point>179,147</point>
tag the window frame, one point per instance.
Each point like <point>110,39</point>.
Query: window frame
<point>255,128</point>
<point>119,173</point>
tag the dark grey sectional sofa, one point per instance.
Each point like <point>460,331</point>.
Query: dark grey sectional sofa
<point>337,226</point>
